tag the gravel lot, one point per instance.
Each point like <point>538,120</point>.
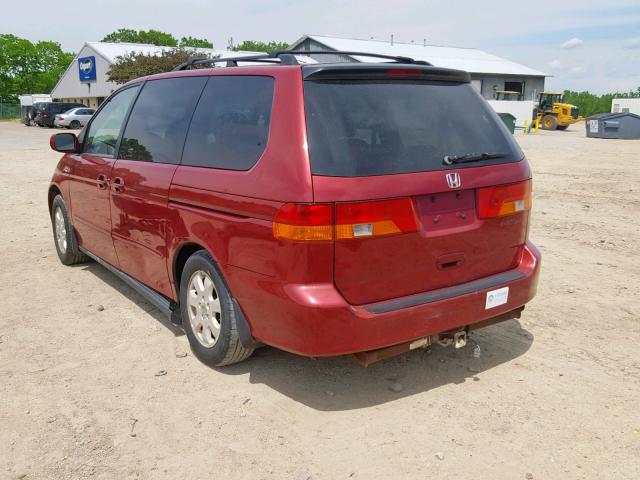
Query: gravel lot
<point>96,384</point>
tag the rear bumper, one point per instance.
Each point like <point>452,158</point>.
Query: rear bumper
<point>315,320</point>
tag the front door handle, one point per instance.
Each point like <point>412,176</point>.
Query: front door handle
<point>101,181</point>
<point>118,184</point>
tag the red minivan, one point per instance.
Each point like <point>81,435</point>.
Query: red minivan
<point>323,209</point>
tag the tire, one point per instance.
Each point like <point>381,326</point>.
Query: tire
<point>64,237</point>
<point>209,317</point>
<point>562,127</point>
<point>549,122</point>
<point>74,125</point>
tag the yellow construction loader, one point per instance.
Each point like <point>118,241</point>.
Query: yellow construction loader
<point>553,114</point>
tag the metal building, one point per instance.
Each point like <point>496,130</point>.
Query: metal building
<point>85,80</point>
<point>489,73</point>
<point>624,125</point>
<point>625,105</point>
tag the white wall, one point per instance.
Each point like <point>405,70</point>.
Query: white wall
<point>490,83</point>
<point>521,110</point>
<point>620,104</point>
<point>69,85</point>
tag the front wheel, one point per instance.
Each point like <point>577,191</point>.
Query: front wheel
<point>64,238</point>
<point>549,122</point>
<point>209,316</point>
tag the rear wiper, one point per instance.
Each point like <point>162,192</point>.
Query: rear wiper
<point>471,157</point>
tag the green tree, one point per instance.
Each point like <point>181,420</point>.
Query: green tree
<point>26,67</point>
<point>258,46</point>
<point>135,64</point>
<point>590,104</point>
<point>153,37</point>
<point>195,42</point>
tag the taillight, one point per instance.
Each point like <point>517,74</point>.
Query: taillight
<point>352,220</point>
<point>374,219</point>
<point>504,200</point>
<point>60,117</point>
<point>403,72</point>
<point>304,222</point>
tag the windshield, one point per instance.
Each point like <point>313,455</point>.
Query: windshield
<point>381,127</point>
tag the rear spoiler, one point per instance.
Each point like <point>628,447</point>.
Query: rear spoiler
<point>386,71</point>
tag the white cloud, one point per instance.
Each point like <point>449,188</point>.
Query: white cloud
<point>572,43</point>
<point>556,64</point>
<point>366,18</point>
<point>578,70</point>
<point>633,43</point>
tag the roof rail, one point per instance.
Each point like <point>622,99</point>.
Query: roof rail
<point>287,57</point>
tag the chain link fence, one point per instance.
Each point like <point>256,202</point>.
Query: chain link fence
<point>9,110</point>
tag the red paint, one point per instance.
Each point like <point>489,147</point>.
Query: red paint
<point>89,196</point>
<point>306,297</point>
<point>139,220</point>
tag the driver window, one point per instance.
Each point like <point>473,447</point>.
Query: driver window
<point>105,128</point>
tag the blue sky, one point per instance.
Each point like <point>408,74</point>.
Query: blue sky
<point>604,36</point>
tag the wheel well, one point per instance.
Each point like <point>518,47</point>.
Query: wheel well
<point>53,192</point>
<point>180,260</point>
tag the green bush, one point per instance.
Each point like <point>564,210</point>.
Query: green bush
<point>590,104</point>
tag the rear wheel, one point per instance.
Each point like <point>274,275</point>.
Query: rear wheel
<point>74,125</point>
<point>549,122</point>
<point>63,235</point>
<point>209,317</point>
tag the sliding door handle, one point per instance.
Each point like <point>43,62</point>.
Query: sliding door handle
<point>117,184</point>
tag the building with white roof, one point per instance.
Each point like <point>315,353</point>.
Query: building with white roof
<point>489,73</point>
<point>85,80</point>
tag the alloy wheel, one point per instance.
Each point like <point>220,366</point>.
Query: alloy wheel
<point>203,307</point>
<point>60,230</point>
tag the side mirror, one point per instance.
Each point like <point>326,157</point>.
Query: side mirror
<point>65,143</point>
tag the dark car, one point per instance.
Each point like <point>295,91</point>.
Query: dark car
<point>45,113</point>
<point>323,209</point>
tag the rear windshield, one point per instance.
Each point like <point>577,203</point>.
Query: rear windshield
<point>379,127</point>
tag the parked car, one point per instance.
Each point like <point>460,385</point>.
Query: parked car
<point>27,102</point>
<point>74,118</point>
<point>323,209</point>
<point>46,111</point>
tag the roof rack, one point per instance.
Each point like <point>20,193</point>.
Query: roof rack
<point>287,57</point>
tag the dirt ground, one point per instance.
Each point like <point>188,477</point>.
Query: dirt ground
<point>94,383</point>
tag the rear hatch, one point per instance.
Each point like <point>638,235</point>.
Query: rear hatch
<point>381,143</point>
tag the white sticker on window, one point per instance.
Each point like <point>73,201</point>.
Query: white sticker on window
<point>497,297</point>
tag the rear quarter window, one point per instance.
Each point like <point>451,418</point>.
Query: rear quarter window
<point>230,126</point>
<point>381,127</point>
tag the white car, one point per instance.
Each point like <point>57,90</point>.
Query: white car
<point>74,118</point>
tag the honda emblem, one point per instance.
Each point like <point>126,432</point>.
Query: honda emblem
<point>453,180</point>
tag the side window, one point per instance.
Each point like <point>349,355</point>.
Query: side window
<point>230,126</point>
<point>159,120</point>
<point>103,133</point>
